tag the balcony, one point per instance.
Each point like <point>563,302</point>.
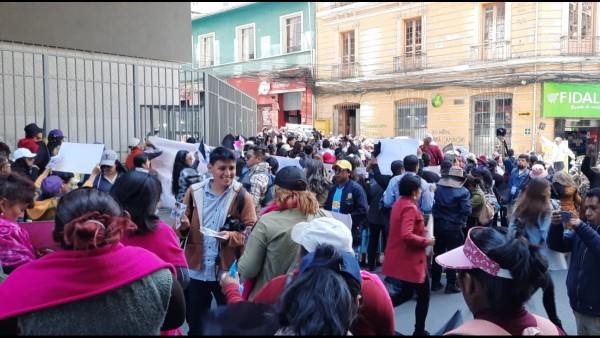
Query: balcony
<point>579,45</point>
<point>491,51</point>
<point>409,63</point>
<point>345,70</point>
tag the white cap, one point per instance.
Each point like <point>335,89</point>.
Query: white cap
<point>323,230</point>
<point>133,142</point>
<point>428,135</point>
<point>23,152</point>
<point>286,147</point>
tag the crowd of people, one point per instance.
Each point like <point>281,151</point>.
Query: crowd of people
<point>259,232</point>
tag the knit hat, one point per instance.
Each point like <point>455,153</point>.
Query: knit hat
<point>50,187</point>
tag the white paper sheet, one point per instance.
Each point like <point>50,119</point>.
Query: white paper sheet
<point>395,149</point>
<point>344,218</point>
<point>435,169</point>
<point>210,233</point>
<point>78,157</point>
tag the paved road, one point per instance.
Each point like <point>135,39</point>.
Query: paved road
<point>443,306</point>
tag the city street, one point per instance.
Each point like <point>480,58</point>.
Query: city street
<point>443,306</point>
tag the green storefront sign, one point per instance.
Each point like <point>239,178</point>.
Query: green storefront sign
<point>569,100</point>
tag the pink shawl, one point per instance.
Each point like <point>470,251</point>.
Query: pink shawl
<point>15,246</point>
<point>66,276</point>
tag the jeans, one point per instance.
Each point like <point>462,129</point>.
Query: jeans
<point>445,240</point>
<point>376,230</point>
<point>198,298</point>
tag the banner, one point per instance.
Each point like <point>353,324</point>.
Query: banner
<point>163,165</point>
<point>570,100</point>
<point>395,149</point>
<point>287,162</point>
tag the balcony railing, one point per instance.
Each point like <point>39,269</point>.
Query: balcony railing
<point>345,70</point>
<point>409,63</point>
<point>491,51</point>
<point>579,45</point>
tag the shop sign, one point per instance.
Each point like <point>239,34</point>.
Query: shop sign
<point>570,100</point>
<point>436,101</point>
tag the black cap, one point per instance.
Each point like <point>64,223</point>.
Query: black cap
<point>32,129</point>
<point>291,178</point>
<point>500,132</point>
<point>445,167</point>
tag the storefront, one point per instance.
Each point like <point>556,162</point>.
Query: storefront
<point>576,110</point>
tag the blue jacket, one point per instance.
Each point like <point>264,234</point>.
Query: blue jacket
<point>452,207</point>
<point>583,277</point>
<point>516,182</point>
<point>356,207</point>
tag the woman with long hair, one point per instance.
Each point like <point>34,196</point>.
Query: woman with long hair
<point>183,174</point>
<point>566,191</point>
<point>111,289</point>
<point>498,274</point>
<point>318,182</point>
<point>270,251</point>
<point>531,219</point>
<point>139,194</point>
<point>324,298</point>
<point>16,194</point>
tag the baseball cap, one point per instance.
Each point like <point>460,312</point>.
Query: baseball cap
<point>348,265</point>
<point>469,256</point>
<point>287,147</point>
<point>133,142</point>
<point>323,230</point>
<point>56,133</point>
<point>428,135</point>
<point>291,178</point>
<point>343,164</point>
<point>32,129</point>
<point>51,186</point>
<point>109,157</point>
<point>23,152</point>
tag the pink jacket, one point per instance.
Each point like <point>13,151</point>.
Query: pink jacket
<point>15,247</point>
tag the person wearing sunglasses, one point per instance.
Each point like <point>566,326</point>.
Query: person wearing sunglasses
<point>106,173</point>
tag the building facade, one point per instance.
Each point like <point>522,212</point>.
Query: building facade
<point>458,70</point>
<point>265,50</point>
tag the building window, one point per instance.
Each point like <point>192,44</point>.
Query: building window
<point>411,118</point>
<point>246,43</point>
<point>412,44</point>
<point>580,40</point>
<point>490,112</point>
<point>292,30</point>
<point>348,66</point>
<point>494,45</point>
<point>206,56</point>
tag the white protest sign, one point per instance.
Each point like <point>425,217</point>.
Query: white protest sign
<point>344,218</point>
<point>77,157</point>
<point>395,149</point>
<point>287,162</point>
<point>163,165</point>
<point>435,169</point>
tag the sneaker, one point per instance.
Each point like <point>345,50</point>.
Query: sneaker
<point>436,286</point>
<point>421,333</point>
<point>452,288</point>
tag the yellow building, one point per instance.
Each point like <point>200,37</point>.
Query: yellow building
<point>456,70</point>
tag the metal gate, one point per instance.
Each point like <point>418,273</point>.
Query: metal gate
<point>105,98</point>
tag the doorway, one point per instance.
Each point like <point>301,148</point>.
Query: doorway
<point>346,118</point>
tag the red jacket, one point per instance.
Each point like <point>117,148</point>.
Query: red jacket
<point>375,317</point>
<point>29,143</point>
<point>129,160</point>
<point>405,257</point>
<point>435,153</point>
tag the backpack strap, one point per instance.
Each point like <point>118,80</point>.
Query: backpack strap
<point>239,200</point>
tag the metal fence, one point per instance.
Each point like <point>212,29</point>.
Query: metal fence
<point>104,98</point>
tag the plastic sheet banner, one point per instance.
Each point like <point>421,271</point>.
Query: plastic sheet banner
<point>395,149</point>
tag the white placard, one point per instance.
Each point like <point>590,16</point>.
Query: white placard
<point>395,149</point>
<point>435,169</point>
<point>287,162</point>
<point>344,218</point>
<point>78,157</point>
<point>163,165</point>
<point>429,234</point>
